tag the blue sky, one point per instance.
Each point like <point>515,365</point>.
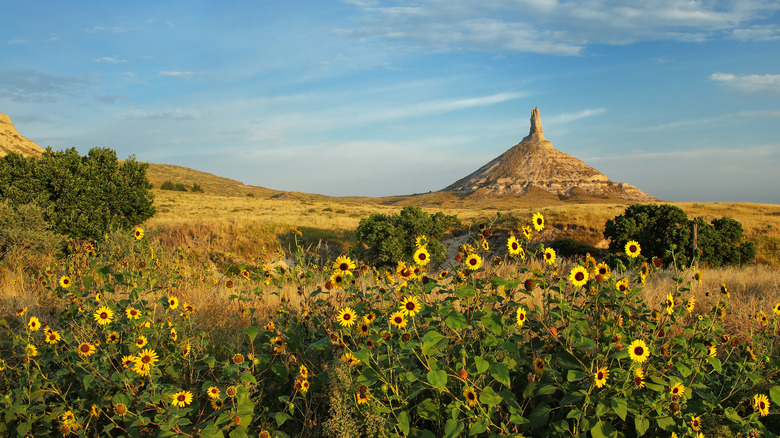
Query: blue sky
<point>361,97</point>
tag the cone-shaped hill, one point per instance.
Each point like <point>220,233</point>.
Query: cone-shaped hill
<point>534,165</point>
<point>12,141</point>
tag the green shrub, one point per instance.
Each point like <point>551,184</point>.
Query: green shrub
<point>665,231</point>
<point>196,188</point>
<point>170,185</point>
<point>385,240</point>
<point>83,197</point>
<point>25,237</point>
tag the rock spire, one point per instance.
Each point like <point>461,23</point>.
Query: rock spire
<point>535,164</point>
<point>12,141</point>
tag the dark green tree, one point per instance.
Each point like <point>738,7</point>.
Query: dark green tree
<point>384,240</point>
<point>83,197</point>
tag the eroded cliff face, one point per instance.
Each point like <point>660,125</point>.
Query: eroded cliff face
<point>534,162</point>
<point>12,141</point>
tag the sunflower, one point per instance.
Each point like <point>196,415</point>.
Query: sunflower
<point>696,423</point>
<point>174,335</point>
<point>303,371</point>
<point>213,392</point>
<point>470,395</point>
<point>23,310</point>
<point>53,337</point>
<point>173,302</point>
<point>65,281</point>
<point>120,409</point>
<point>669,303</point>
<point>34,324</point>
<point>622,285</point>
<point>474,262</point>
<point>677,390</point>
<point>31,350</point>
<point>578,276</point>
<point>132,313</point>
<point>697,276</point>
<point>112,338</point>
<point>514,246</point>
<point>302,385</point>
<point>141,341</point>
<point>603,270</point>
<point>601,376</point>
<point>549,256</point>
<point>712,351</point>
<point>539,365</point>
<point>639,376</point>
<point>68,417</point>
<point>527,232</point>
<point>724,290</point>
<point>445,274</point>
<point>181,398</point>
<point>638,351</point>
<point>776,309</point>
<point>369,318</point>
<point>104,315</point>
<point>538,221</point>
<point>86,349</point>
<point>231,391</point>
<point>349,359</point>
<point>343,264</point>
<point>229,283</point>
<point>410,306</point>
<point>690,304</point>
<point>127,361</point>
<point>189,308</point>
<point>363,329</point>
<point>761,317</point>
<point>485,245</point>
<point>279,344</point>
<point>138,233</point>
<point>761,404</point>
<point>521,316</point>
<point>347,317</point>
<point>397,319</point>
<point>362,397</point>
<point>337,279</point>
<point>144,362</point>
<point>421,256</point>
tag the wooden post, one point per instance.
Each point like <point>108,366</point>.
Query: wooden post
<point>696,244</point>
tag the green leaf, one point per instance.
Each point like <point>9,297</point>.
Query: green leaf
<point>482,364</point>
<point>654,387</point>
<point>466,291</point>
<point>251,331</point>
<point>248,378</point>
<point>641,425</point>
<point>603,430</point>
<point>435,341</point>
<point>281,417</point>
<point>428,410</point>
<point>539,416</point>
<point>489,397</point>
<point>666,423</point>
<point>601,408</point>
<point>453,427</point>
<point>456,321</point>
<point>715,362</point>
<point>403,422</point>
<point>492,322</point>
<point>362,355</point>
<point>620,407</point>
<point>684,370</point>
<point>774,394</point>
<point>438,379</point>
<point>546,390</point>
<point>500,372</point>
<point>575,375</point>
<point>477,428</point>
<point>88,379</point>
<point>211,431</point>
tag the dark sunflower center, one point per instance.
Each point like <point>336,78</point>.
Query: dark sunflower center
<point>421,256</point>
<point>514,246</point>
<point>600,375</point>
<point>579,276</point>
<point>471,395</point>
<point>104,315</point>
<point>521,316</point>
<point>632,248</point>
<point>339,279</point>
<point>347,317</point>
<point>398,320</point>
<point>410,305</point>
<point>85,348</point>
<point>638,351</point>
<point>602,271</point>
<point>181,397</point>
<point>343,266</point>
<point>622,288</point>
<point>472,261</point>
<point>146,359</point>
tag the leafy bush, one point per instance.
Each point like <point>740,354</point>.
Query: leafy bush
<point>384,240</point>
<point>196,188</point>
<point>25,237</point>
<point>83,197</point>
<point>665,231</point>
<point>170,185</point>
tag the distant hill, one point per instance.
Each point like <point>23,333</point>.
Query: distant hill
<point>534,166</point>
<point>12,141</point>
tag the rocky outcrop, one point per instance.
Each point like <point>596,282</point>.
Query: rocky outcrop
<point>535,163</point>
<point>12,141</point>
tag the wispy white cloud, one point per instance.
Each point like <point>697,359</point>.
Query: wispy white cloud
<point>178,74</point>
<point>17,41</point>
<point>110,60</point>
<point>767,83</point>
<point>558,28</point>
<point>570,117</point>
<point>112,29</point>
<point>167,114</point>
